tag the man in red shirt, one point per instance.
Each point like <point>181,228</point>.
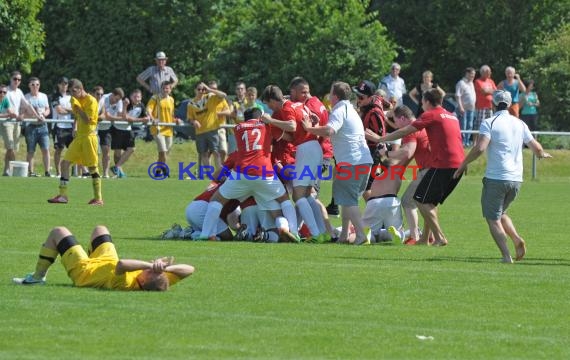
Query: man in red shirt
<point>444,134</point>
<point>300,92</point>
<point>414,146</point>
<point>288,116</point>
<point>253,176</point>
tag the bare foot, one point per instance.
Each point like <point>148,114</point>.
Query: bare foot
<point>521,250</point>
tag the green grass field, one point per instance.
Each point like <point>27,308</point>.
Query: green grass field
<point>289,301</point>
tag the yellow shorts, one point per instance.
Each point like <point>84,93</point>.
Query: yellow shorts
<point>83,150</point>
<point>93,269</point>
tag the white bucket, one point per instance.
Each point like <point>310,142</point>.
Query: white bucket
<point>19,168</point>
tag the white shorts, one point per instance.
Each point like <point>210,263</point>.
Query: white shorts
<point>308,158</point>
<point>264,190</point>
<point>163,143</point>
<point>196,213</point>
<point>383,213</point>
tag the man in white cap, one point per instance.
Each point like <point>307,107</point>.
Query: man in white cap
<point>502,135</point>
<point>152,78</point>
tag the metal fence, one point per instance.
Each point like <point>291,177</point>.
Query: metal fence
<point>50,121</point>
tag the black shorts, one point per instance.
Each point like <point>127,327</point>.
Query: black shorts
<point>436,186</point>
<point>62,138</point>
<point>122,139</point>
<point>105,137</point>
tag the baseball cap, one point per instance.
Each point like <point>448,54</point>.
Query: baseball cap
<point>366,87</point>
<point>160,55</point>
<point>63,79</point>
<point>502,96</point>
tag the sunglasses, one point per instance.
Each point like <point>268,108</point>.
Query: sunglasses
<point>201,89</point>
<point>3,92</point>
<point>99,94</point>
<point>34,84</point>
<point>16,79</point>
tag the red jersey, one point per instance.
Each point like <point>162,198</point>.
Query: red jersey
<point>295,112</point>
<point>283,152</point>
<point>253,138</point>
<point>444,134</point>
<point>482,100</point>
<point>316,107</point>
<point>210,190</point>
<point>423,151</point>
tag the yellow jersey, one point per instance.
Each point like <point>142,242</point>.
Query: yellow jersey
<point>90,106</point>
<point>162,108</point>
<point>205,111</point>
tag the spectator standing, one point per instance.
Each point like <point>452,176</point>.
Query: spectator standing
<point>465,97</point>
<point>111,110</point>
<point>484,88</point>
<point>62,132</point>
<point>83,148</point>
<point>347,136</point>
<point>37,133</point>
<point>514,85</point>
<point>502,136</point>
<point>223,112</point>
<point>444,135</point>
<point>202,113</point>
<point>529,106</point>
<point>6,112</point>
<point>417,92</point>
<point>393,84</point>
<point>10,130</point>
<point>123,141</point>
<point>154,76</point>
<point>160,108</point>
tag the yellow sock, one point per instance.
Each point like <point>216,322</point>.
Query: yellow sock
<point>46,258</point>
<point>97,188</point>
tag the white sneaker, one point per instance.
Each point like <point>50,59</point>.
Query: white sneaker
<point>29,280</point>
<point>174,232</point>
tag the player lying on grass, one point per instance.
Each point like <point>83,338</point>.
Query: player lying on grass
<point>102,268</point>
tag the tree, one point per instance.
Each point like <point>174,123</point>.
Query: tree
<point>265,41</point>
<point>21,34</point>
<point>109,43</point>
<point>550,68</point>
<point>446,36</point>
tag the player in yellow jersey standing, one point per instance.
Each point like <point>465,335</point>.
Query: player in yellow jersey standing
<point>83,148</point>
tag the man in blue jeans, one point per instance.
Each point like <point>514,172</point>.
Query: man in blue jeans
<point>465,96</point>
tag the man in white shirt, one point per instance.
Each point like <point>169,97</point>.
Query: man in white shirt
<point>465,96</point>
<point>37,133</point>
<point>112,110</point>
<point>352,156</point>
<point>393,84</point>
<point>62,132</point>
<point>503,136</point>
<point>10,130</point>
